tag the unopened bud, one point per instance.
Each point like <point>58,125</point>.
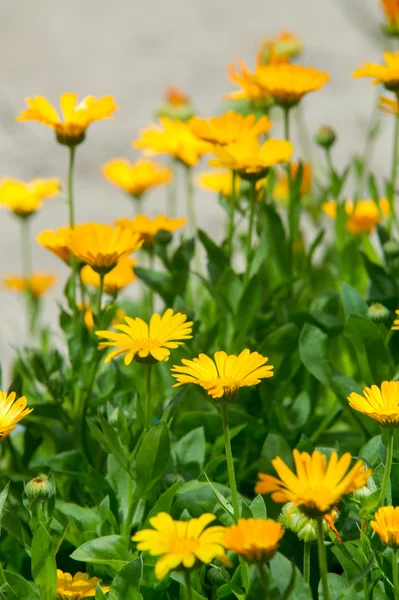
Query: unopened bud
<point>304,527</point>
<point>378,312</point>
<point>325,137</point>
<point>39,487</point>
<point>163,237</point>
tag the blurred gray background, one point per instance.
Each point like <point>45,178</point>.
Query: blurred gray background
<point>133,49</point>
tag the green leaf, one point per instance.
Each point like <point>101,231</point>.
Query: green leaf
<point>99,593</point>
<point>248,307</point>
<point>164,503</point>
<point>108,439</point>
<point>126,584</point>
<point>21,588</point>
<point>353,302</point>
<point>110,550</point>
<point>3,498</point>
<point>190,448</point>
<point>44,568</point>
<point>162,283</point>
<point>152,458</point>
<point>225,504</point>
<point>258,508</point>
<point>274,445</point>
<point>281,569</point>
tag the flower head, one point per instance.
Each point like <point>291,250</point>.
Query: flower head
<point>147,343</point>
<point>77,586</point>
<point>136,178</point>
<point>25,198</point>
<point>387,74</point>
<point>363,216</point>
<point>386,525</point>
<point>11,412</point>
<point>76,116</point>
<point>318,484</point>
<point>395,325</point>
<point>389,106</point>
<point>391,11</point>
<point>280,48</point>
<point>381,404</point>
<point>36,284</point>
<point>56,242</point>
<point>115,280</point>
<point>229,127</point>
<point>256,540</point>
<point>281,190</point>
<point>225,375</point>
<point>181,544</point>
<point>173,137</point>
<point>250,88</point>
<point>220,182</point>
<point>147,228</point>
<point>177,105</point>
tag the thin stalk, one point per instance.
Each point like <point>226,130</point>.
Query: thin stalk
<point>151,257</point>
<point>71,210</point>
<point>148,403</point>
<point>395,576</point>
<point>287,124</point>
<point>306,562</point>
<point>191,215</point>
<point>366,589</point>
<point>26,255</point>
<point>291,199</point>
<point>388,464</point>
<point>322,558</point>
<point>233,203</point>
<point>250,229</point>
<point>394,171</point>
<point>99,298</point>
<point>188,585</point>
<point>303,133</point>
<point>264,579</point>
<point>330,162</point>
<point>171,192</point>
<point>137,205</point>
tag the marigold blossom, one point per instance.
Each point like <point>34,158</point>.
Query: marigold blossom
<point>363,215</point>
<point>280,48</point>
<point>115,280</point>
<point>56,242</point>
<point>36,284</point>
<point>136,178</point>
<point>387,74</point>
<point>220,182</point>
<point>229,127</point>
<point>147,228</point>
<point>25,198</point>
<point>250,88</point>
<point>11,412</point>
<point>77,586</point>
<point>391,11</point>
<point>386,525</point>
<point>381,404</point>
<point>255,540</point>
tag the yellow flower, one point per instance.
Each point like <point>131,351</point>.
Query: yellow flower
<point>387,74</point>
<point>76,116</point>
<point>362,216</point>
<point>172,137</point>
<point>395,325</point>
<point>25,198</point>
<point>11,412</point>
<point>181,544</point>
<point>147,228</point>
<point>37,283</point>
<point>386,525</point>
<point>229,127</point>
<point>389,106</point>
<point>218,181</point>
<point>391,10</point>
<point>280,49</point>
<point>77,586</point>
<point>136,178</point>
<point>318,484</point>
<point>147,343</point>
<point>56,242</point>
<point>256,540</point>
<point>101,246</point>
<point>281,190</point>
<point>250,159</point>
<point>224,375</point>
<point>287,83</point>
<point>250,89</point>
<point>381,404</point>
<point>115,280</point>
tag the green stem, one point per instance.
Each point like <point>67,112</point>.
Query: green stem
<point>26,255</point>
<point>85,404</point>
<point>264,579</point>
<point>191,216</point>
<point>287,123</point>
<point>395,576</point>
<point>250,229</point>
<point>188,585</point>
<point>306,562</point>
<point>71,168</point>
<point>303,133</point>
<point>322,558</point>
<point>233,203</point>
<point>388,464</point>
<point>330,162</point>
<point>148,402</point>
<point>394,172</point>
<point>100,290</point>
<point>171,192</point>
<point>365,588</point>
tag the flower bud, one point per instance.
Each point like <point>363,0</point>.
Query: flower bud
<point>304,527</point>
<point>378,312</point>
<point>325,137</point>
<point>364,492</point>
<point>163,238</point>
<point>39,487</point>
<point>391,249</point>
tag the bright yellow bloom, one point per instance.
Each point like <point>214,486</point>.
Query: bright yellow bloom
<point>37,283</point>
<point>76,116</point>
<point>220,182</point>
<point>280,49</point>
<point>172,137</point>
<point>256,540</point>
<point>229,127</point>
<point>287,83</point>
<point>136,178</point>
<point>391,10</point>
<point>25,198</point>
<point>250,89</point>
<point>77,586</point>
<point>56,242</point>
<point>389,106</point>
<point>381,404</point>
<point>224,375</point>
<point>362,216</point>
<point>318,484</point>
<point>11,412</point>
<point>281,190</point>
<point>147,228</point>
<point>386,525</point>
<point>101,246</point>
<point>147,343</point>
<point>387,74</point>
<point>395,325</point>
<point>115,280</point>
<point>181,544</point>
<point>250,159</point>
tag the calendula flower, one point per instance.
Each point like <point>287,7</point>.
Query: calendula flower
<point>250,89</point>
<point>115,280</point>
<point>318,485</point>
<point>181,544</point>
<point>11,412</point>
<point>76,116</point>
<point>147,343</point>
<point>395,325</point>
<point>304,527</point>
<point>282,188</point>
<point>387,74</point>
<point>56,242</point>
<point>77,586</point>
<point>177,105</point>
<point>37,283</point>
<point>255,540</point>
<point>389,106</point>
<point>148,228</point>
<point>362,216</point>
<point>25,198</point>
<point>225,375</point>
<point>386,525</point>
<point>287,83</point>
<point>249,158</point>
<point>381,404</point>
<point>101,246</point>
<point>136,178</point>
<point>391,11</point>
<point>280,49</point>
<point>172,137</point>
<point>229,127</point>
<point>220,182</point>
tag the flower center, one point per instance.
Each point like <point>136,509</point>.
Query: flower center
<point>184,546</point>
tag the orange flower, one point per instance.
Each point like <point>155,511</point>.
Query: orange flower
<point>387,74</point>
<point>136,178</point>
<point>177,105</point>
<point>56,242</point>
<point>229,127</point>
<point>147,228</point>
<point>175,96</point>
<point>37,283</point>
<point>280,49</point>
<point>250,88</point>
<point>391,10</point>
<point>363,216</point>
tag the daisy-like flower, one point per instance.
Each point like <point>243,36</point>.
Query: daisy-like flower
<point>387,74</point>
<point>76,116</point>
<point>389,106</point>
<point>395,325</point>
<point>11,412</point>
<point>114,281</point>
<point>391,11</point>
<point>249,158</point>
<point>381,404</point>
<point>148,228</point>
<point>172,137</point>
<point>229,127</point>
<point>36,284</point>
<point>318,485</point>
<point>280,49</point>
<point>56,242</point>
<point>181,544</point>
<point>25,198</point>
<point>77,586</point>
<point>225,375</point>
<point>177,105</point>
<point>281,189</point>
<point>255,540</point>
<point>362,216</point>
<point>136,178</point>
<point>250,89</point>
<point>147,343</point>
<point>220,182</point>
<point>101,246</point>
<point>386,525</point>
